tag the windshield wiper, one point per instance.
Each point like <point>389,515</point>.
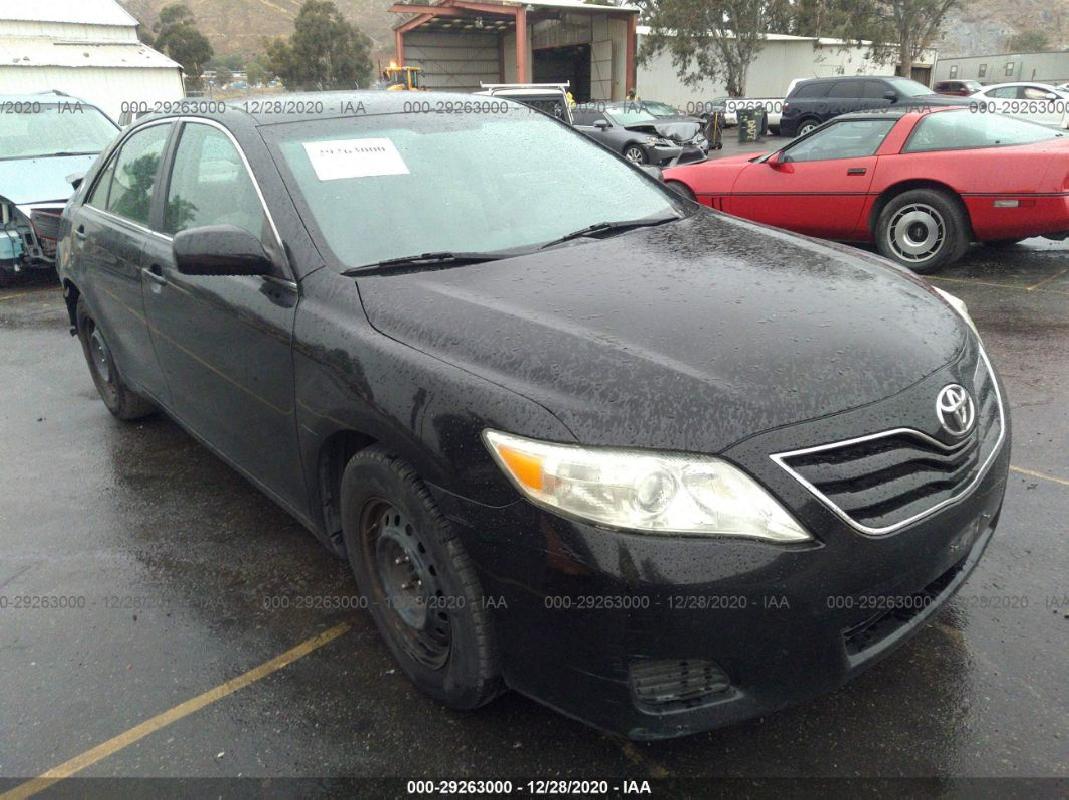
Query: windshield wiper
<point>610,227</point>
<point>423,259</point>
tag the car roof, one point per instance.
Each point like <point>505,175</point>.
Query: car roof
<point>898,113</point>
<point>51,96</point>
<point>831,78</point>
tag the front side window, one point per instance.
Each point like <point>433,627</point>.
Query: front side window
<point>461,182</point>
<point>952,130</point>
<point>1036,93</point>
<point>210,185</point>
<point>54,130</point>
<point>875,90</point>
<point>136,170</point>
<point>848,139</point>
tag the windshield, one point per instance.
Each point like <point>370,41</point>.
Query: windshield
<point>631,115</point>
<point>660,109</point>
<point>909,88</point>
<point>395,185</point>
<point>47,130</point>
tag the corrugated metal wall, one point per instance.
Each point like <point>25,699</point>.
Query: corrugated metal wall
<point>106,87</point>
<point>454,61</point>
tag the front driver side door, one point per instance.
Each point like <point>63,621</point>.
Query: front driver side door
<point>819,185</point>
<point>224,341</point>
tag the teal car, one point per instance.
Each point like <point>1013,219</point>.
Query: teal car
<point>46,140</point>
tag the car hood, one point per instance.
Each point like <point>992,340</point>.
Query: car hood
<point>687,336</point>
<point>678,129</point>
<point>40,180</point>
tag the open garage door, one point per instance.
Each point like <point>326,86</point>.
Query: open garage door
<point>569,64</point>
<point>601,70</point>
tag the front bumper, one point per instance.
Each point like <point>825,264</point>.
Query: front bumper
<point>662,155</point>
<point>723,629</point>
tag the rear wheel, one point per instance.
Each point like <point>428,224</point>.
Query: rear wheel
<point>119,398</point>
<point>806,125</point>
<point>923,229</point>
<point>420,585</point>
<point>635,154</point>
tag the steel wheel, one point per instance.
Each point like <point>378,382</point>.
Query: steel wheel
<point>635,154</point>
<point>916,233</point>
<point>406,583</point>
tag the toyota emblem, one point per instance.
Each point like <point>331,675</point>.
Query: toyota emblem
<point>955,408</point>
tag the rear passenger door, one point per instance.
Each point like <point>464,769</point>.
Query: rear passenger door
<point>224,340</point>
<point>111,231</point>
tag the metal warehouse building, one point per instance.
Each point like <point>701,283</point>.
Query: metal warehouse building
<point>1050,68</point>
<point>781,58</point>
<point>85,48</point>
<point>459,44</point>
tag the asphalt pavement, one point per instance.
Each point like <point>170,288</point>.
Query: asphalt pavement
<point>174,576</point>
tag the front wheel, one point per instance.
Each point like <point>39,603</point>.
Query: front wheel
<point>635,154</point>
<point>681,189</point>
<point>119,398</point>
<point>418,582</point>
<point>923,229</point>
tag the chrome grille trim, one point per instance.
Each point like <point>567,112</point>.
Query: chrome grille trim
<point>781,458</point>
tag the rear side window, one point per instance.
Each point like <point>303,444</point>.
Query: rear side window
<point>807,90</point>
<point>952,130</point>
<point>210,185</point>
<point>136,170</point>
<point>846,89</point>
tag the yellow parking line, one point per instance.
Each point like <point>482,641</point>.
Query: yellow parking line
<point>997,285</point>
<point>1023,471</point>
<point>24,294</point>
<point>127,738</point>
<point>1047,280</point>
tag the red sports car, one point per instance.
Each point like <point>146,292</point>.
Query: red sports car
<point>922,184</point>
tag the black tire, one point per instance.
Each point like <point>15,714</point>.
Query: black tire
<point>923,229</point>
<point>122,401</point>
<point>806,124</point>
<point>681,189</point>
<point>443,641</point>
<point>1003,243</point>
<point>635,154</point>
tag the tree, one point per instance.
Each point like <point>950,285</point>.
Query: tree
<point>898,30</point>
<point>223,76</point>
<point>257,73</point>
<point>709,39</point>
<point>177,36</point>
<point>325,51</point>
<point>1033,41</point>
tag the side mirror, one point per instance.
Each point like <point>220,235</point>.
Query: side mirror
<point>1051,96</point>
<point>890,95</point>
<point>75,179</point>
<point>601,124</point>
<point>220,250</point>
<point>780,161</point>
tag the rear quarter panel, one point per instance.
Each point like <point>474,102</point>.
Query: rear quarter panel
<point>1036,176</point>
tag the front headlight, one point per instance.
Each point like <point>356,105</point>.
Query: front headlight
<point>958,305</point>
<point>643,490</point>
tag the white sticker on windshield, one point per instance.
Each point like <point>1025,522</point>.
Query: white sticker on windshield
<point>354,158</point>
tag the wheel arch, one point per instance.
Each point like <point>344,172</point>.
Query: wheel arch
<point>892,191</point>
<point>334,455</point>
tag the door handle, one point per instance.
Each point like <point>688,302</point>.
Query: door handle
<point>80,232</point>
<point>154,274</point>
<point>856,171</point>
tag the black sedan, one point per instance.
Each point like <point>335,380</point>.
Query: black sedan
<point>659,468</point>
